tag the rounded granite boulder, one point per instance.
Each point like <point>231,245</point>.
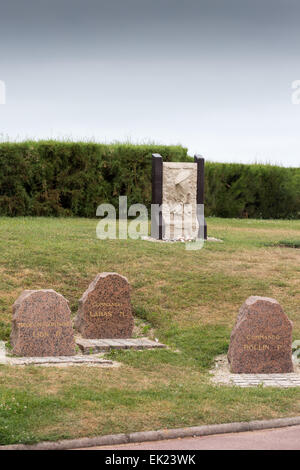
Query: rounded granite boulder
<point>261,340</point>
<point>105,308</point>
<point>41,325</point>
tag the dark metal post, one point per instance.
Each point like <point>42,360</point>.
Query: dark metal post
<point>157,184</point>
<point>200,189</point>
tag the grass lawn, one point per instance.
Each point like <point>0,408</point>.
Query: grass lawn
<point>190,298</point>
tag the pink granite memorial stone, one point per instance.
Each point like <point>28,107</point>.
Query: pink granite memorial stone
<point>261,341</point>
<point>105,308</point>
<point>41,325</point>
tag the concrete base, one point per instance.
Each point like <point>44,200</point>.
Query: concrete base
<point>179,240</point>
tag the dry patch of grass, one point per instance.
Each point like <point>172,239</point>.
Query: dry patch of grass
<point>53,380</point>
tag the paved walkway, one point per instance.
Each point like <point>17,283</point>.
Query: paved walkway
<point>221,375</point>
<point>269,439</point>
<point>268,380</point>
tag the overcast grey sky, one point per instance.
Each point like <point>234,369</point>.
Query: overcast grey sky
<point>212,75</point>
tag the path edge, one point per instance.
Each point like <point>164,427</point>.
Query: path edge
<point>162,434</point>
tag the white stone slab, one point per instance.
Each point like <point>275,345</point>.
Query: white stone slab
<point>79,359</point>
<point>97,345</point>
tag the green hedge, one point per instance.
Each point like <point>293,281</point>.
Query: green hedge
<point>71,179</point>
<point>256,191</point>
<point>50,178</point>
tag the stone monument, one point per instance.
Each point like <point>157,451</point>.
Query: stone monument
<point>41,325</point>
<point>261,340</point>
<point>178,199</point>
<point>105,308</point>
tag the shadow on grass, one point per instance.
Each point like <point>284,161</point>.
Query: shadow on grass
<point>284,244</point>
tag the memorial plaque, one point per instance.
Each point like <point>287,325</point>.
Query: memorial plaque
<point>261,341</point>
<point>177,211</point>
<point>179,203</point>
<point>105,308</point>
<point>41,325</point>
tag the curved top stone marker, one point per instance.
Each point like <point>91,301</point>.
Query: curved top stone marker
<point>261,340</point>
<point>105,308</point>
<point>41,325</point>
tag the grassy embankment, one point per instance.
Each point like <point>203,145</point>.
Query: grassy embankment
<point>189,298</point>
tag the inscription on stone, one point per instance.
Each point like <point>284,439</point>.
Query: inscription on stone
<point>105,308</point>
<point>41,325</point>
<point>261,341</point>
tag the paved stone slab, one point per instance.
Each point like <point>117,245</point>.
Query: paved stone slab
<point>261,341</point>
<point>41,325</point>
<point>276,380</point>
<point>105,308</point>
<point>59,360</point>
<point>78,359</point>
<point>222,375</point>
<point>89,346</point>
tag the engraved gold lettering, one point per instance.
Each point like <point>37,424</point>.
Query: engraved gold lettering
<point>256,347</point>
<point>40,334</point>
